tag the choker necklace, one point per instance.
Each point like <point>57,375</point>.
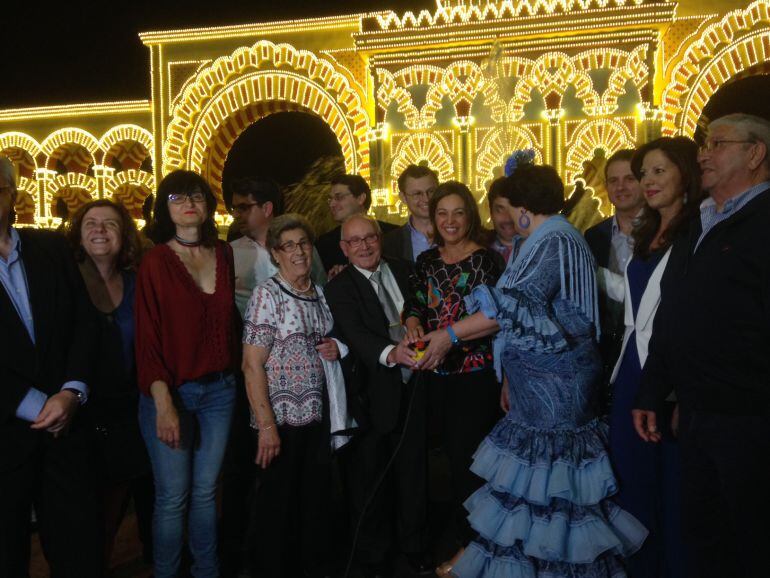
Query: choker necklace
<point>186,243</point>
<point>297,289</point>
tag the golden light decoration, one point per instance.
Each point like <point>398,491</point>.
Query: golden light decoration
<point>421,148</point>
<point>606,134</point>
<point>265,72</point>
<point>736,42</point>
<point>456,87</point>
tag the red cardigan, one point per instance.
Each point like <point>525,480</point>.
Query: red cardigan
<point>182,333</point>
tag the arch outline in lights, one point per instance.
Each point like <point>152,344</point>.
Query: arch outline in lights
<point>265,72</point>
<point>738,41</point>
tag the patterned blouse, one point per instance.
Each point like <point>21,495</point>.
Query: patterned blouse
<point>289,326</point>
<point>437,291</point>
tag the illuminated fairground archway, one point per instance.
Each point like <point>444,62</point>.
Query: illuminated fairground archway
<point>23,150</point>
<point>592,141</point>
<point>739,41</point>
<point>229,95</point>
<point>127,147</point>
<point>130,188</point>
<point>75,189</point>
<point>495,148</point>
<point>71,150</point>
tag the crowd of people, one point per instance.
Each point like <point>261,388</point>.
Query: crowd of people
<point>273,406</point>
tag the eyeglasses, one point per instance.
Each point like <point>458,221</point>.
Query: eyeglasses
<point>336,198</point>
<point>242,207</point>
<point>355,242</point>
<point>179,198</point>
<point>417,194</point>
<point>291,246</point>
<point>711,145</point>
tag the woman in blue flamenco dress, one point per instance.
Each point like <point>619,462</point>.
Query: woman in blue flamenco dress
<point>545,509</point>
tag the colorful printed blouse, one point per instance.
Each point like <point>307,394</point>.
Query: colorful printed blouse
<point>289,326</point>
<point>437,299</point>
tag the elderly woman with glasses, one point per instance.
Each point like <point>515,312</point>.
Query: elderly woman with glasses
<point>289,367</point>
<point>186,347</point>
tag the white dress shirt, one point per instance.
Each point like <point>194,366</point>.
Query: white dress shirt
<point>390,285</point>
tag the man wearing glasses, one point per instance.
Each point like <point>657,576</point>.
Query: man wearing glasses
<point>47,327</point>
<point>415,188</point>
<point>256,202</point>
<point>366,300</point>
<point>349,195</point>
<point>711,345</point>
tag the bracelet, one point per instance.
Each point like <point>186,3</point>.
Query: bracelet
<point>267,427</point>
<point>452,335</point>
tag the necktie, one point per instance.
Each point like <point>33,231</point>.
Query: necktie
<point>393,315</point>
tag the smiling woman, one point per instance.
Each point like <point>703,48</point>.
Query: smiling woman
<point>289,367</point>
<point>106,245</point>
<point>463,391</point>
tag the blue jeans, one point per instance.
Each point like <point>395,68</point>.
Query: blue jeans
<point>189,474</point>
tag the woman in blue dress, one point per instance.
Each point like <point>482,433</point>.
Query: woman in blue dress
<point>649,474</point>
<point>544,509</point>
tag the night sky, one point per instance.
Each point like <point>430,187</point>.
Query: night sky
<point>90,52</point>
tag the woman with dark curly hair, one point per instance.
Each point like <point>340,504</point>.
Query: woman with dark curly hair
<point>463,391</point>
<point>106,246</point>
<point>545,509</point>
<point>186,351</point>
<point>649,474</point>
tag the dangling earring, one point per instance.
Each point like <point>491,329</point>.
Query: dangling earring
<point>524,221</point>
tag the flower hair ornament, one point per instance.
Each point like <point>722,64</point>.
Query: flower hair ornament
<point>518,158</point>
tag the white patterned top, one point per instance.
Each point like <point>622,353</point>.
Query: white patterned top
<point>289,326</point>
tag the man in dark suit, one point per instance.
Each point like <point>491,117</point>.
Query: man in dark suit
<point>349,195</point>
<point>44,358</point>
<point>610,242</point>
<point>416,185</point>
<point>710,345</point>
<point>366,299</point>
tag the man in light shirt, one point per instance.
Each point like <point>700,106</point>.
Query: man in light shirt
<point>611,244</point>
<point>416,185</point>
<point>255,203</point>
<point>46,344</point>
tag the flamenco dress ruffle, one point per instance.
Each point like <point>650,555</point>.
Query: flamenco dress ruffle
<point>544,510</point>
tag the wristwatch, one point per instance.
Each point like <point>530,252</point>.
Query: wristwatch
<point>78,394</point>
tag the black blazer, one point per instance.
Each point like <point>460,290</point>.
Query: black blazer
<point>374,390</point>
<point>398,243</point>
<point>599,239</point>
<point>328,246</point>
<point>711,333</point>
<point>64,328</point>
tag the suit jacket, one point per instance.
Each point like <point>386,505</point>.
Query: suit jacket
<point>599,239</point>
<point>328,246</point>
<point>374,389</point>
<point>398,243</point>
<point>64,329</point>
<point>641,326</point>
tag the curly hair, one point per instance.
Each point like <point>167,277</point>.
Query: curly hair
<point>130,246</point>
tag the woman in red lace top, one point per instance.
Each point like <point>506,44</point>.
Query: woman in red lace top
<point>185,349</point>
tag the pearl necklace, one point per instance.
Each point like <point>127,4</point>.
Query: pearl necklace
<point>297,289</point>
